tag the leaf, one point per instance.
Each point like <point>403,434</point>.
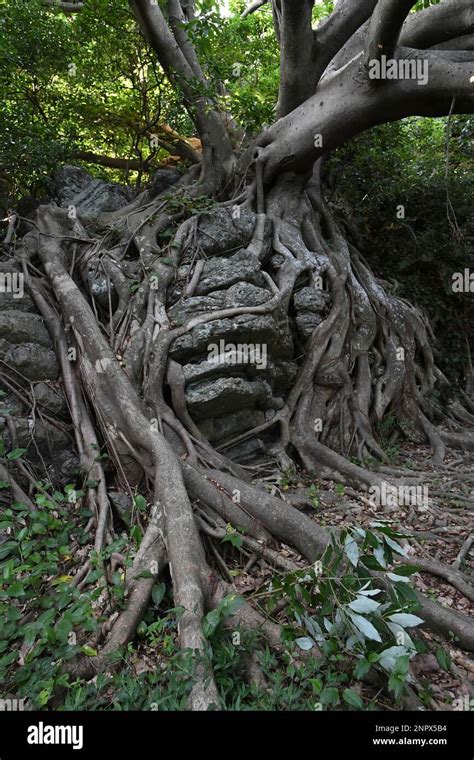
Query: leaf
<point>362,668</point>
<point>317,684</point>
<point>210,622</point>
<point>379,555</point>
<point>329,696</point>
<point>16,589</point>
<point>401,636</point>
<point>352,699</point>
<point>139,502</point>
<point>363,604</point>
<point>388,657</point>
<point>46,618</point>
<point>304,643</point>
<point>370,592</point>
<point>406,569</point>
<point>398,578</point>
<point>405,620</point>
<point>395,546</point>
<point>43,697</point>
<point>89,651</point>
<point>230,604</point>
<point>234,538</point>
<point>15,454</point>
<point>396,684</point>
<point>371,562</point>
<point>365,627</point>
<point>352,550</point>
<point>443,658</point>
<point>157,593</point>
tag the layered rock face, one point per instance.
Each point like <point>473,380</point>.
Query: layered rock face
<point>29,371</point>
<point>238,370</point>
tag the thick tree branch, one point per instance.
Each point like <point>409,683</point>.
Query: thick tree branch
<point>345,106</point>
<point>385,27</point>
<point>466,42</point>
<point>297,80</point>
<point>177,22</point>
<point>438,24</point>
<point>66,7</point>
<point>125,164</point>
<point>218,152</point>
<point>338,28</point>
<point>253,7</point>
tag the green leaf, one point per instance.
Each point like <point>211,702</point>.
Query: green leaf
<point>16,589</point>
<point>398,578</point>
<point>234,538</point>
<point>389,657</point>
<point>352,550</point>
<point>362,668</point>
<point>395,546</point>
<point>89,651</point>
<point>364,605</point>
<point>444,659</point>
<point>352,699</point>
<point>396,684</point>
<point>329,696</point>
<point>406,569</point>
<point>15,454</point>
<point>210,623</point>
<point>365,627</point>
<point>405,620</point>
<point>317,685</point>
<point>304,643</point>
<point>157,593</point>
<point>43,697</point>
<point>139,502</point>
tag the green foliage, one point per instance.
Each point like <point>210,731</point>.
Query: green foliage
<point>425,167</point>
<point>68,86</point>
<point>352,622</point>
<point>40,608</point>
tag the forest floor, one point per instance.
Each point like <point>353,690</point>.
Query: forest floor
<point>443,675</point>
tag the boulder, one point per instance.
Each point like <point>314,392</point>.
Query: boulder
<point>20,327</point>
<point>306,323</point>
<point>311,299</point>
<point>268,330</point>
<point>245,294</point>
<point>162,180</point>
<point>222,231</point>
<point>50,400</point>
<point>33,361</point>
<point>220,272</point>
<point>182,311</point>
<point>227,394</point>
<point>73,186</point>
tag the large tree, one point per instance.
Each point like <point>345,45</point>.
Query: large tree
<point>369,355</point>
